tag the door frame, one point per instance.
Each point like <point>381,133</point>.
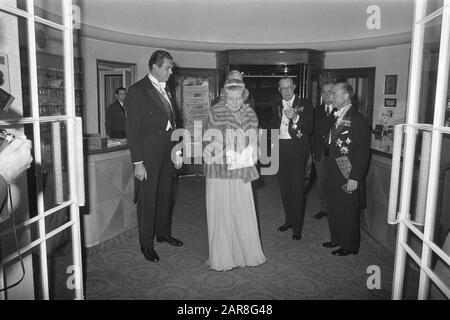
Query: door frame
<point>101,95</point>
<point>335,74</point>
<point>404,157</point>
<point>74,152</point>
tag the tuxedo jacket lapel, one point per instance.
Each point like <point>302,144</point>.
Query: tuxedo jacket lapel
<point>295,103</point>
<point>152,95</point>
<point>175,111</point>
<point>336,131</point>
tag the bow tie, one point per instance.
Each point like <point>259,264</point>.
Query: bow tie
<point>286,104</point>
<point>339,113</point>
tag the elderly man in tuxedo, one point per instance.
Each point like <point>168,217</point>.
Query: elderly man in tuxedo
<point>323,118</point>
<point>294,117</point>
<point>152,117</point>
<point>346,166</point>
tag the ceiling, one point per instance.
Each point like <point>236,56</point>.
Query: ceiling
<point>212,25</point>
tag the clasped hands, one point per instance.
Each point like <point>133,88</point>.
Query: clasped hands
<point>291,114</point>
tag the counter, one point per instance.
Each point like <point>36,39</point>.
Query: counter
<point>374,217</point>
<point>110,210</point>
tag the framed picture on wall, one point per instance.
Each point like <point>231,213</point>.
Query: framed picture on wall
<point>390,84</point>
<point>389,102</point>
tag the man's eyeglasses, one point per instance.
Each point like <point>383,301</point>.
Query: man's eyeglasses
<point>286,88</point>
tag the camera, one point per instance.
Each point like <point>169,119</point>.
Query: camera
<point>5,139</point>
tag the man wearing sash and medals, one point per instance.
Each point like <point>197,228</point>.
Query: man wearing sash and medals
<point>294,117</point>
<point>346,166</point>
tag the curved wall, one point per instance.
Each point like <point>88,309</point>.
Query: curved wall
<point>229,24</point>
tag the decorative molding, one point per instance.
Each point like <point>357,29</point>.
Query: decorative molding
<point>183,45</point>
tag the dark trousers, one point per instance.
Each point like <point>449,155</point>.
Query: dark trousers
<point>343,209</point>
<point>321,182</point>
<point>292,181</point>
<point>155,199</point>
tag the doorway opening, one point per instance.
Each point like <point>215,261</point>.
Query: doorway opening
<point>363,83</point>
<point>110,76</point>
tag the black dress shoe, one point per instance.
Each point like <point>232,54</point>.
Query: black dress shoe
<point>296,236</point>
<point>284,227</point>
<point>342,252</point>
<point>329,244</point>
<point>150,254</point>
<point>320,215</point>
<point>170,240</point>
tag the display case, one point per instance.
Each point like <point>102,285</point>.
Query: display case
<point>51,84</point>
<point>53,134</point>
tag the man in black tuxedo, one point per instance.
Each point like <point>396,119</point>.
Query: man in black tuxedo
<point>152,117</point>
<point>323,118</point>
<point>116,116</point>
<point>346,167</point>
<point>294,118</point>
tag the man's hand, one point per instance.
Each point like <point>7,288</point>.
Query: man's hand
<point>351,185</point>
<point>140,172</point>
<point>15,159</point>
<point>289,113</point>
<point>178,161</point>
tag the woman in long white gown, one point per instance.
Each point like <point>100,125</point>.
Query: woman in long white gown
<point>233,235</point>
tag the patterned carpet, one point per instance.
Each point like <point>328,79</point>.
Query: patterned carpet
<point>295,269</point>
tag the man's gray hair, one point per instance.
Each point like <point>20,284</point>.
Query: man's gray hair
<point>348,88</point>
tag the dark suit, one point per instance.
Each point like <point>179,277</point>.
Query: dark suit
<point>293,155</point>
<point>115,120</point>
<point>150,142</point>
<point>322,125</point>
<point>348,158</point>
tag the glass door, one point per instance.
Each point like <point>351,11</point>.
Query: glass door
<point>420,176</point>
<point>40,246</point>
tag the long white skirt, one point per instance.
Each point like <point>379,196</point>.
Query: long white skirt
<point>232,227</point>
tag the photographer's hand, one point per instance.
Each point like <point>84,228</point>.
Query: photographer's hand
<point>15,159</point>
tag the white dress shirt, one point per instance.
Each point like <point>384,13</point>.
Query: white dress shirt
<point>341,113</point>
<point>161,87</point>
<point>284,126</point>
<point>123,108</point>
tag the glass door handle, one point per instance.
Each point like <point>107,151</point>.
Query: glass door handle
<point>395,174</point>
<point>79,161</point>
